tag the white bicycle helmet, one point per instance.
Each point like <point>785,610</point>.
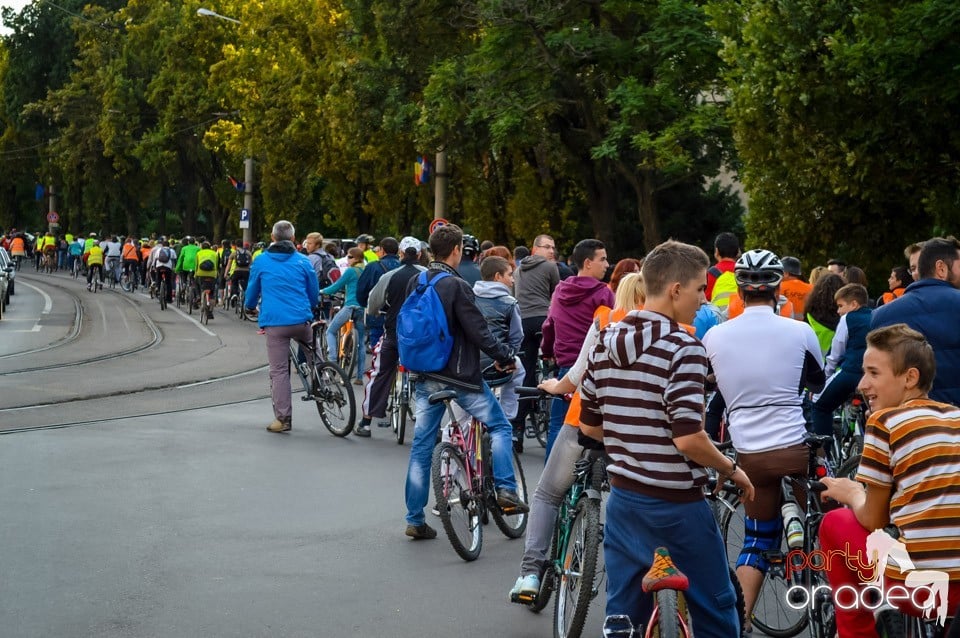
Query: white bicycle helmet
<point>758,270</point>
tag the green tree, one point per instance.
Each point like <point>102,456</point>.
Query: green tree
<point>843,118</point>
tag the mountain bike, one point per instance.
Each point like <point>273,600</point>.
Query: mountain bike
<point>779,610</point>
<point>164,278</point>
<point>128,280</point>
<point>402,403</point>
<point>324,383</point>
<point>575,563</point>
<point>77,267</point>
<point>849,424</point>
<point>113,264</point>
<point>238,300</point>
<point>537,425</point>
<point>462,476</point>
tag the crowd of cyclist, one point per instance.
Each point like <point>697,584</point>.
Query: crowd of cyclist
<point>641,346</point>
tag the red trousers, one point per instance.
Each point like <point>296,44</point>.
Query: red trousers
<point>841,532</point>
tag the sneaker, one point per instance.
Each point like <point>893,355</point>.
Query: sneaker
<point>89,287</point>
<point>362,431</point>
<point>358,382</point>
<point>510,503</point>
<point>525,590</point>
<point>383,424</point>
<point>421,532</point>
<point>279,426</point>
<point>435,511</point>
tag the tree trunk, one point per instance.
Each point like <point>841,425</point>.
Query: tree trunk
<point>645,192</point>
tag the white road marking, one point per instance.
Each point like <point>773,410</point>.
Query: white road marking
<point>47,301</point>
<point>192,320</point>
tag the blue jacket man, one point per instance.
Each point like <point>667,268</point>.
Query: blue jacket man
<point>931,306</point>
<point>389,260</point>
<point>284,283</point>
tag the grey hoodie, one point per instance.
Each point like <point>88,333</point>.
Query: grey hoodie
<point>498,291</point>
<point>534,282</point>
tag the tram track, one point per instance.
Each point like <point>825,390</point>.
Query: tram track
<point>74,334</point>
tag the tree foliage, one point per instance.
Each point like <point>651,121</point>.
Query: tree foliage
<point>844,122</point>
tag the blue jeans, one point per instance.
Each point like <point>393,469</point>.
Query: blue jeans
<point>558,412</point>
<point>481,405</point>
<point>333,334</point>
<point>638,524</point>
<point>838,389</point>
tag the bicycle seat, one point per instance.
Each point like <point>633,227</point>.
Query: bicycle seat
<point>443,395</point>
<point>814,441</point>
<point>663,574</point>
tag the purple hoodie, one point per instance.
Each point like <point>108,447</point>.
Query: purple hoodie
<point>571,312</point>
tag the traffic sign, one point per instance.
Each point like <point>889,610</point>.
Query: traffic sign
<point>437,223</point>
<point>244,218</point>
<point>53,217</point>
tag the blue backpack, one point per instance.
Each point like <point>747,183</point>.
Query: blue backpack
<point>423,336</point>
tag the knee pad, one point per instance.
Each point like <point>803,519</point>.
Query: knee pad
<point>759,536</point>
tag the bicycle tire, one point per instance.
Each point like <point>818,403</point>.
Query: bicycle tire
<point>541,421</point>
<point>673,618</point>
<point>741,603</point>
<point>848,469</point>
<point>393,404</point>
<point>333,395</point>
<point>205,309</point>
<point>408,413</point>
<point>163,294</point>
<point>771,613</point>
<point>456,501</point>
<point>513,525</point>
<point>348,349</point>
<point>548,580</point>
<point>891,624</point>
<point>579,557</point>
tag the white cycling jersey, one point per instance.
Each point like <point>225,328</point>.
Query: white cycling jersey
<point>762,362</point>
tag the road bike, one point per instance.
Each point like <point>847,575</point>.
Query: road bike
<point>462,475</point>
<point>779,610</point>
<point>402,403</point>
<point>574,566</point>
<point>324,383</point>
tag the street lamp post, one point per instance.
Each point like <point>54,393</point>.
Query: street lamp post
<point>246,224</point>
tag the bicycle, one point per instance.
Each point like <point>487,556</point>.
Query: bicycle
<point>162,288</point>
<point>324,383</point>
<point>778,611</point>
<point>77,267</point>
<point>240,297</point>
<point>849,424</point>
<point>574,566</point>
<point>537,424</point>
<point>206,309</point>
<point>128,280</point>
<point>402,405</point>
<point>462,476</point>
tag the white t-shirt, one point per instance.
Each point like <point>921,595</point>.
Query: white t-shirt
<point>760,360</point>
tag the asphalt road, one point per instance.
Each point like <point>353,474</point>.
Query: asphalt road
<point>164,508</point>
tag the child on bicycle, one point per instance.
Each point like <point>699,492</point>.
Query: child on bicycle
<point>845,358</point>
<point>643,395</point>
<point>907,476</point>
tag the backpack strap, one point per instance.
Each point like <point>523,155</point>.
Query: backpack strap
<point>716,272</point>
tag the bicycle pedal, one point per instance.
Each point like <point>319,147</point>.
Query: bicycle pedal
<point>523,599</point>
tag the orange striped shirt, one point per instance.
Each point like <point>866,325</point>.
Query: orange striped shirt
<point>914,449</point>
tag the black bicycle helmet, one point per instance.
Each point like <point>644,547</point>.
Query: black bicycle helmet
<point>758,270</point>
<point>364,239</point>
<point>470,245</point>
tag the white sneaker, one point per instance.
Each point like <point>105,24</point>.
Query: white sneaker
<point>525,589</point>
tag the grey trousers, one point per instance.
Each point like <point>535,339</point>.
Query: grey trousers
<point>278,355</point>
<point>556,479</point>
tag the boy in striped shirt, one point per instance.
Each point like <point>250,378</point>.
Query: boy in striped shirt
<point>643,396</point>
<point>911,473</point>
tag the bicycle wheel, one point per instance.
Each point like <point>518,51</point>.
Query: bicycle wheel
<point>540,418</point>
<point>513,525</point>
<point>672,619</point>
<point>163,294</point>
<point>456,501</point>
<point>334,398</point>
<point>205,308</point>
<point>771,613</point>
<point>578,570</point>
<point>348,351</point>
<point>394,408</point>
<point>891,624</point>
